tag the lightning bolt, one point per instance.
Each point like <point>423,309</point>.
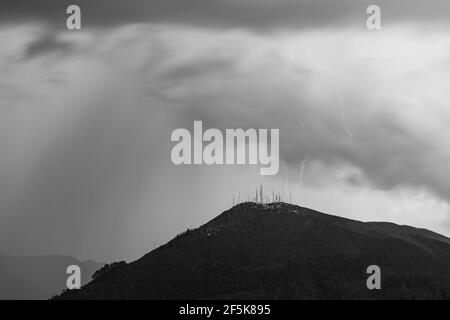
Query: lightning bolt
<point>286,188</point>
<point>344,108</point>
<point>302,167</point>
<point>300,181</point>
<point>300,122</point>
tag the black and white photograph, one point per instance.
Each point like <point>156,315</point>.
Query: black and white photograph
<point>240,152</point>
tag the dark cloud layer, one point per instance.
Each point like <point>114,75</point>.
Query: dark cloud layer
<point>251,14</point>
<point>83,188</point>
<point>47,43</point>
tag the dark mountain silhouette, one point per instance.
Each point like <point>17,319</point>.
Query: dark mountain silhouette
<point>38,277</point>
<point>282,251</point>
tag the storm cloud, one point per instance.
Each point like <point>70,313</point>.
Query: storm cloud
<point>256,15</point>
<point>87,115</point>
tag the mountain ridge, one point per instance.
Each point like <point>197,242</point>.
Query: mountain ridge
<point>282,251</point>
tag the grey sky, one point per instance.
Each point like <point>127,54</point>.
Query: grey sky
<point>261,15</point>
<point>86,116</point>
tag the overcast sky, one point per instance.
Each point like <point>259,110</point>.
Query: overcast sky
<point>86,116</point>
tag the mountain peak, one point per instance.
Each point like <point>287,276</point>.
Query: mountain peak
<point>280,250</point>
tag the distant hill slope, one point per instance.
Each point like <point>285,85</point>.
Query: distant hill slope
<point>282,251</point>
<point>39,277</point>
